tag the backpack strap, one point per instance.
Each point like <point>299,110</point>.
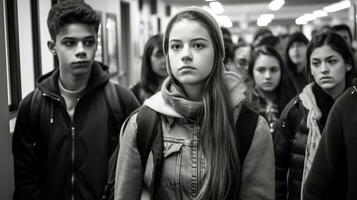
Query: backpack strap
<point>112,100</point>
<point>148,124</point>
<point>245,128</point>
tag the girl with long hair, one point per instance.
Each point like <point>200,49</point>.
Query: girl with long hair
<point>331,67</point>
<point>200,158</point>
<point>153,69</point>
<point>272,86</point>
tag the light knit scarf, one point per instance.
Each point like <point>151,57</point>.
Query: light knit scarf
<point>179,101</point>
<point>190,109</point>
<point>308,100</point>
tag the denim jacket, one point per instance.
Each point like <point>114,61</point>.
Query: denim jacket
<point>184,164</point>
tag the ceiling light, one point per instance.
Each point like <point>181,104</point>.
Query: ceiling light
<point>320,13</point>
<point>216,7</point>
<point>264,19</point>
<point>305,18</point>
<point>338,6</point>
<point>276,4</point>
<point>225,21</point>
<point>209,0</point>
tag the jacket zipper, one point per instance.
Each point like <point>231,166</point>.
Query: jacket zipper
<point>73,150</point>
<point>197,130</point>
<point>73,156</point>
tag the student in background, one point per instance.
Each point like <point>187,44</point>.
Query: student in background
<point>295,56</point>
<point>272,41</point>
<point>65,132</point>
<point>271,83</point>
<point>200,156</point>
<point>260,34</point>
<point>331,67</point>
<point>153,69</point>
<point>345,32</point>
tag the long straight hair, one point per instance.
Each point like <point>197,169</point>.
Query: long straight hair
<point>218,139</point>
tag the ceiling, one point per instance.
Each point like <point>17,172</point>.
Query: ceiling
<point>247,11</point>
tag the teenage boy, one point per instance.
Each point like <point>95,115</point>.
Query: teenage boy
<point>65,132</point>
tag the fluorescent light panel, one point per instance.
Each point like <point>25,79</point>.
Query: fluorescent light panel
<point>264,19</point>
<point>225,21</point>
<point>216,7</point>
<point>338,6</point>
<point>276,4</point>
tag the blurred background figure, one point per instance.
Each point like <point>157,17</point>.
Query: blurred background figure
<point>153,69</point>
<point>272,41</point>
<point>295,57</point>
<point>242,56</point>
<point>260,34</point>
<point>228,46</point>
<point>345,32</point>
<point>272,86</point>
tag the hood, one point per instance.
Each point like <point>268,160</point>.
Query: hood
<point>204,14</point>
<point>296,37</point>
<point>49,82</point>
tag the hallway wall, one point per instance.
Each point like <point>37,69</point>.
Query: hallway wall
<point>6,169</point>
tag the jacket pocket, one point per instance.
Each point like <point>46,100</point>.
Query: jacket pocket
<point>171,169</point>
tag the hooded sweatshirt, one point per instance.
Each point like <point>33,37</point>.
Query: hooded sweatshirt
<point>56,157</point>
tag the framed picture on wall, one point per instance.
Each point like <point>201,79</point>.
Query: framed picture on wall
<point>111,44</point>
<point>99,55</point>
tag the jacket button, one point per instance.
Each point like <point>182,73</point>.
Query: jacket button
<point>283,124</point>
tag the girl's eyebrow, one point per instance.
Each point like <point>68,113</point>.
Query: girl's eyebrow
<point>328,57</point>
<point>200,38</point>
<point>194,39</point>
<point>332,56</point>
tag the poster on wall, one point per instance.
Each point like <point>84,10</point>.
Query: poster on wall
<point>111,43</point>
<point>99,55</point>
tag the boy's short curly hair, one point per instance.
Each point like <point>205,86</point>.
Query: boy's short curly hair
<point>69,12</point>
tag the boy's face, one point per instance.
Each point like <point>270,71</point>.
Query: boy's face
<point>75,47</point>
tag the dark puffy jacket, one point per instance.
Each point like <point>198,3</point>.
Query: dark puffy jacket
<point>290,143</point>
<point>56,158</point>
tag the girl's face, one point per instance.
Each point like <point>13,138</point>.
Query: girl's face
<point>297,52</point>
<point>266,73</point>
<point>328,68</point>
<point>158,62</point>
<point>191,52</point>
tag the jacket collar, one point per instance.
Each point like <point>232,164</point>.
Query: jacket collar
<point>48,83</point>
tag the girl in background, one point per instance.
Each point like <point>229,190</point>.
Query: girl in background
<point>272,86</point>
<point>331,67</point>
<point>153,69</point>
<point>200,156</point>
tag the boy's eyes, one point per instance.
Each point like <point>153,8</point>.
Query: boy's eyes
<point>71,43</point>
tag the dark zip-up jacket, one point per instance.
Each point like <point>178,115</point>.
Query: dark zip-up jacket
<point>56,158</point>
<point>333,173</point>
